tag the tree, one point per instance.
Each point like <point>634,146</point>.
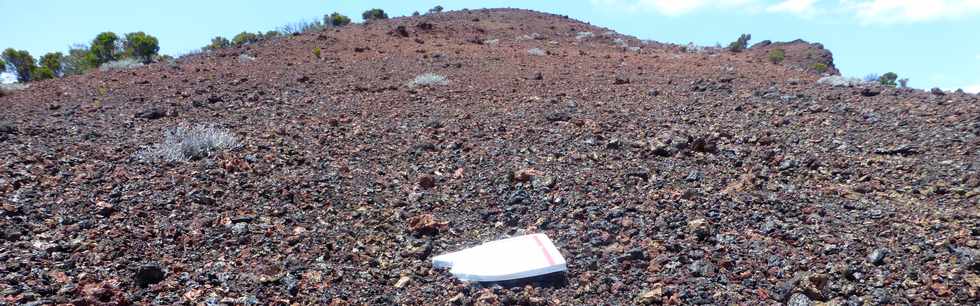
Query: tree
<point>78,60</point>
<point>41,73</point>
<point>336,19</point>
<point>888,79</point>
<point>52,61</point>
<point>436,9</point>
<point>904,83</point>
<point>141,46</point>
<point>3,66</point>
<point>244,38</point>
<point>740,44</point>
<point>22,61</point>
<point>105,47</point>
<point>374,14</point>
<point>218,43</point>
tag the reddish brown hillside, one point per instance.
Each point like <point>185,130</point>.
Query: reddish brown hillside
<point>663,176</point>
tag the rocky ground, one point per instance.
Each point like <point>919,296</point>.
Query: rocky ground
<point>663,174</point>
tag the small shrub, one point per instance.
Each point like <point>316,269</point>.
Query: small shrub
<point>22,61</point>
<point>141,46</point>
<point>740,44</point>
<point>105,48</point>
<point>888,79</point>
<point>244,38</point>
<point>904,83</point>
<point>52,61</point>
<point>336,19</point>
<point>316,52</point>
<point>820,67</point>
<point>41,73</point>
<point>126,63</point>
<point>777,56</point>
<point>416,14</point>
<point>184,143</point>
<point>3,66</point>
<point>428,79</point>
<point>436,9</point>
<point>537,52</point>
<point>218,43</point>
<point>374,14</point>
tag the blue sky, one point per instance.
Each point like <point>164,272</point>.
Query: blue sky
<point>931,42</point>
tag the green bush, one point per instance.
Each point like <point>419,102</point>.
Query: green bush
<point>336,19</point>
<point>52,61</point>
<point>3,66</point>
<point>820,67</point>
<point>41,73</point>
<point>316,52</point>
<point>141,46</point>
<point>777,56</point>
<point>270,34</point>
<point>740,44</point>
<point>105,48</point>
<point>244,38</point>
<point>22,61</point>
<point>888,79</point>
<point>374,14</point>
<point>218,43</point>
<point>78,60</point>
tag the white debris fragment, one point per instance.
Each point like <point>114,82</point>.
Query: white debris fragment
<point>506,259</point>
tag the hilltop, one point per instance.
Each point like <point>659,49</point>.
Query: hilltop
<point>664,173</point>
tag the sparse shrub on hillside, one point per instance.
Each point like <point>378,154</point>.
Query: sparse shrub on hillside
<point>436,9</point>
<point>184,143</point>
<point>537,52</point>
<point>777,56</point>
<point>126,63</point>
<point>316,52</point>
<point>740,44</point>
<point>336,19</point>
<point>839,81</point>
<point>78,61</point>
<point>374,14</point>
<point>301,27</point>
<point>416,14</point>
<point>141,46</point>
<point>105,48</point>
<point>244,38</point>
<point>41,73</point>
<point>820,67</point>
<point>218,43</point>
<point>428,79</point>
<point>52,61</point>
<point>888,79</point>
<point>904,83</point>
<point>22,62</point>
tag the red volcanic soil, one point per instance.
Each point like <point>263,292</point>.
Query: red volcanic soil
<point>663,175</point>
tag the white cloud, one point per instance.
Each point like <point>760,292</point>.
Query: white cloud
<point>674,7</point>
<point>909,11</point>
<point>863,11</point>
<point>805,8</point>
<point>973,88</point>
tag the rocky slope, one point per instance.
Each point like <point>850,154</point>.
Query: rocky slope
<point>663,175</point>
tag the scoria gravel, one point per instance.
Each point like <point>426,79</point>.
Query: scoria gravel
<point>664,174</point>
